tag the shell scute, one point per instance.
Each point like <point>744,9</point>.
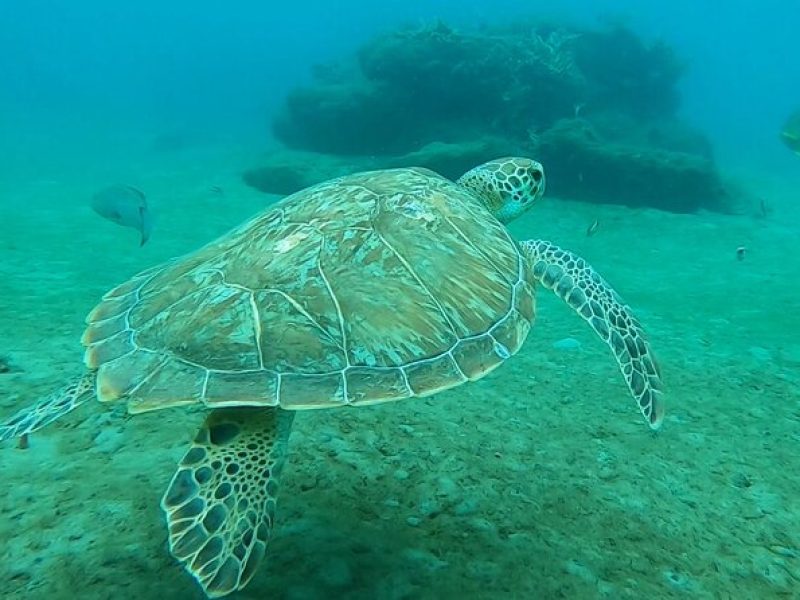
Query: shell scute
<point>247,388</point>
<point>368,288</point>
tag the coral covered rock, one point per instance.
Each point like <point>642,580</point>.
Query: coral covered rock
<point>581,164</point>
<point>599,107</point>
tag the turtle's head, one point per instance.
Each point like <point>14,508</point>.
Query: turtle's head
<point>506,186</point>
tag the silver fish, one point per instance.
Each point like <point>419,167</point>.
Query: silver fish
<point>125,205</point>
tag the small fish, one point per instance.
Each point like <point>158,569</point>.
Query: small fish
<point>216,190</point>
<point>127,206</point>
<point>592,229</point>
<point>790,134</point>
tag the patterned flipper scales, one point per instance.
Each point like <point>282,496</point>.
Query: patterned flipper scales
<point>220,504</point>
<point>580,286</point>
<point>47,410</point>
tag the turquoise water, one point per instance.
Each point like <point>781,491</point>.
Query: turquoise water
<point>539,481</point>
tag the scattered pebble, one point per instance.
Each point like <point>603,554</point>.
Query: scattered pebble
<point>466,507</point>
<point>567,343</point>
<point>448,488</point>
<point>483,570</point>
<point>678,580</point>
<point>6,366</point>
<point>429,507</point>
<point>109,440</point>
<point>741,480</point>
<point>407,429</point>
<point>481,524</point>
<point>760,354</point>
<point>574,567</point>
<point>423,560</point>
<point>401,474</point>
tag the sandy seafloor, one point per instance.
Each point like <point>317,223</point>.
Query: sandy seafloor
<point>540,481</point>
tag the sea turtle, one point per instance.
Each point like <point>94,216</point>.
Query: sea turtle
<point>367,288</point>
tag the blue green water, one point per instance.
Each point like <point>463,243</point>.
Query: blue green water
<point>540,481</point>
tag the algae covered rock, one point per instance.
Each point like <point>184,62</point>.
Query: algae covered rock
<point>284,172</point>
<point>413,87</point>
<point>454,159</point>
<point>288,171</point>
<point>599,106</point>
<point>627,75</point>
<point>314,118</point>
<point>582,164</point>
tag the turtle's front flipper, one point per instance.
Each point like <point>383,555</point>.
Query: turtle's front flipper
<point>28,420</point>
<point>580,286</point>
<point>220,504</point>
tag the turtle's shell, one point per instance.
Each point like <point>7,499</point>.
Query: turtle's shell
<point>367,288</point>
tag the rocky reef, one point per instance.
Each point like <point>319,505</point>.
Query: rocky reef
<point>599,108</point>
<point>287,171</point>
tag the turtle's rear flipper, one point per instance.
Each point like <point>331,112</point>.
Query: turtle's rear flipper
<point>28,420</point>
<point>580,286</point>
<point>220,504</point>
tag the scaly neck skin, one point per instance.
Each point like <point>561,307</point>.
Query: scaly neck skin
<point>506,186</point>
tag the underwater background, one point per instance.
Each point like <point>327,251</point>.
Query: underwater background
<point>660,128</point>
